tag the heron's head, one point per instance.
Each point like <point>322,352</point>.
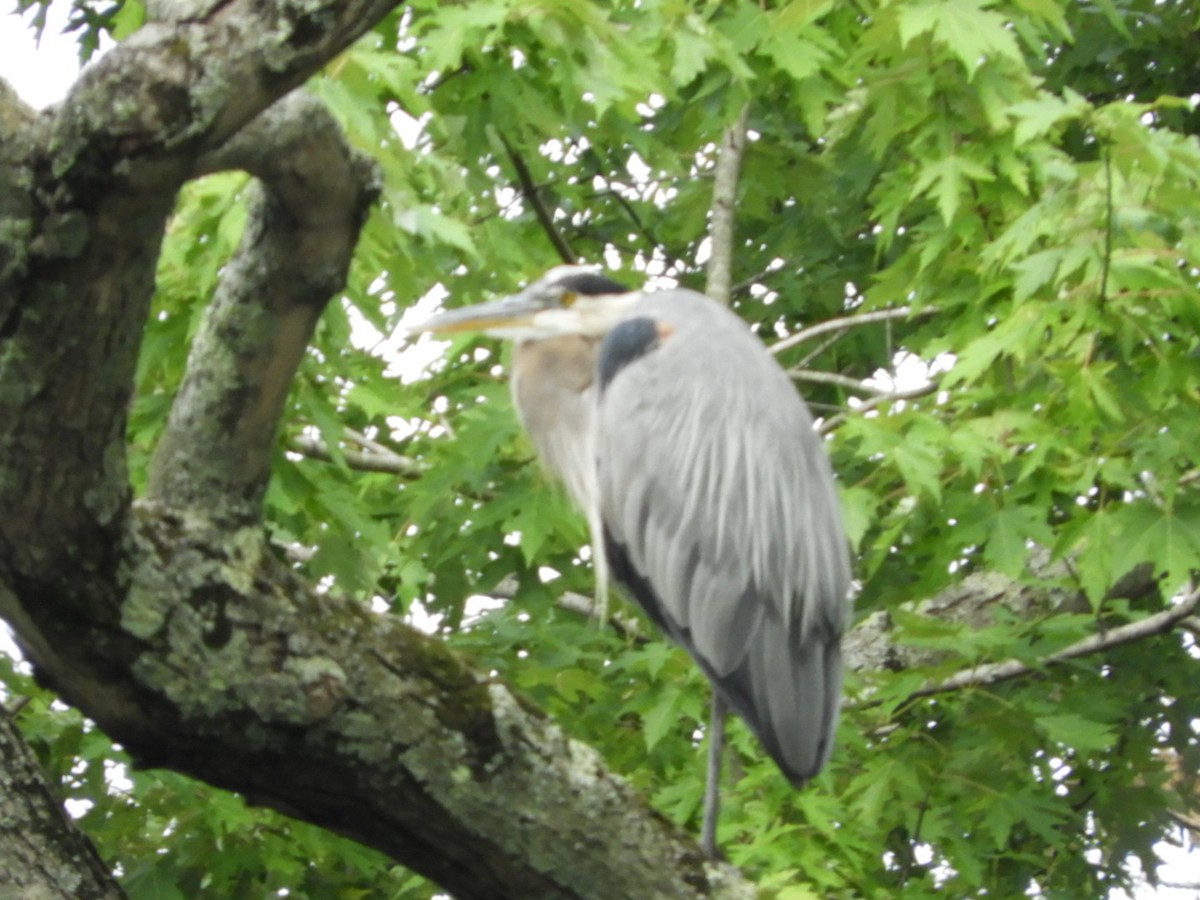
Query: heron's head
<point>566,300</point>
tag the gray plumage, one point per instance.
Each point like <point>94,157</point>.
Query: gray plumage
<point>707,491</point>
<point>718,503</point>
<point>557,411</point>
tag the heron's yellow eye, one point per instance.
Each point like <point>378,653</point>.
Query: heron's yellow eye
<point>568,298</point>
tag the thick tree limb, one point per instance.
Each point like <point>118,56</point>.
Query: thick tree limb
<point>16,206</point>
<point>361,724</point>
<point>88,223</point>
<point>304,219</point>
<point>295,252</point>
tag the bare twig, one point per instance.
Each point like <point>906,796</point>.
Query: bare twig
<point>820,348</point>
<point>835,421</point>
<point>746,283</point>
<point>816,376</point>
<point>639,224</point>
<point>377,459</point>
<point>365,442</point>
<point>844,323</point>
<point>1180,885</point>
<point>529,190</point>
<point>721,213</point>
<point>628,627</point>
<point>994,673</point>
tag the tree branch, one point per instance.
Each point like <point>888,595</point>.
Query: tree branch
<point>642,227</point>
<point>97,179</point>
<point>16,207</point>
<point>627,626</point>
<point>374,730</point>
<point>293,255</point>
<point>529,190</point>
<point>815,376</point>
<point>974,603</point>
<point>994,673</point>
<point>844,323</point>
<point>723,209</point>
<point>834,421</point>
<point>377,459</point>
<point>92,186</point>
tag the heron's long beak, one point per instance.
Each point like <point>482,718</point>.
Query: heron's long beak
<point>514,311</point>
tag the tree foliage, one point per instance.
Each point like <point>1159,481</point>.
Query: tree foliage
<point>1024,176</point>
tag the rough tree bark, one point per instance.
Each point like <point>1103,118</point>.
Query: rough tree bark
<point>43,856</point>
<point>169,621</point>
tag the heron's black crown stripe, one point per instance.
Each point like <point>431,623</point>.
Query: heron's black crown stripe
<point>628,341</point>
<point>592,284</point>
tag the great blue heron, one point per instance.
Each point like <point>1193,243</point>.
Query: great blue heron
<point>706,488</point>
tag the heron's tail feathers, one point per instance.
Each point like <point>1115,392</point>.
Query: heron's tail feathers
<point>790,697</point>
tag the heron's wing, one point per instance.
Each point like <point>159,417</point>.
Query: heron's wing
<point>721,517</point>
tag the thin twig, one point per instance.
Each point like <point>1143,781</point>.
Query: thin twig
<point>815,376</point>
<point>369,444</point>
<point>844,323</point>
<point>745,284</point>
<point>834,421</point>
<point>529,191</point>
<point>722,209</point>
<point>639,225</point>
<point>628,627</point>
<point>820,348</point>
<point>589,154</point>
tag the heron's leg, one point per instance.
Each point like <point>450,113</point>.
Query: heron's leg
<point>712,784</point>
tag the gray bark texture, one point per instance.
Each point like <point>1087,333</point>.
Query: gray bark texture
<point>169,621</point>
<point>43,856</point>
